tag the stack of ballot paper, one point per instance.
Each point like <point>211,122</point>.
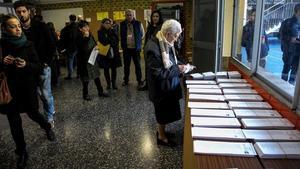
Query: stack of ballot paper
<point>207,98</point>
<point>255,113</point>
<point>243,97</point>
<point>209,75</point>
<point>241,149</point>
<point>206,91</point>
<point>221,134</point>
<point>221,75</point>
<point>249,105</point>
<point>203,86</point>
<point>289,150</point>
<point>200,82</point>
<point>212,113</point>
<point>197,76</point>
<point>239,91</point>
<point>207,105</point>
<point>272,135</point>
<point>234,75</point>
<point>234,85</point>
<point>215,122</point>
<point>267,123</point>
<point>231,81</point>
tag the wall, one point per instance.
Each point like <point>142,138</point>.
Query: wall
<point>228,26</point>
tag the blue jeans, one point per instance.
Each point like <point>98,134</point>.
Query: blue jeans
<point>45,93</point>
<point>70,57</point>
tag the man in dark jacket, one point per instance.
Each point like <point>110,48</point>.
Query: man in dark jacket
<point>40,35</point>
<point>132,33</point>
<point>290,45</point>
<point>68,38</point>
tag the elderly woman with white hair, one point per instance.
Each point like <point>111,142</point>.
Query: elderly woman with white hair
<point>164,72</point>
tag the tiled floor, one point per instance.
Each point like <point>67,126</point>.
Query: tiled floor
<point>115,132</point>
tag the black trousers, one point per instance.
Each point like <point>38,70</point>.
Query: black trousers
<point>135,55</point>
<point>85,85</point>
<point>15,123</point>
<point>110,79</point>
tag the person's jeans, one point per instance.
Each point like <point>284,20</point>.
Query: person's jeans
<point>45,93</point>
<point>70,57</point>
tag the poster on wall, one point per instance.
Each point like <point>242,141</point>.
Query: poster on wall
<point>119,15</point>
<point>101,15</point>
<point>147,16</point>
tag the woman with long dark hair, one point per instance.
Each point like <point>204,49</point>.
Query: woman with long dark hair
<point>20,64</point>
<point>108,36</point>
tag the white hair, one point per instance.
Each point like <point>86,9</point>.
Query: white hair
<point>171,26</point>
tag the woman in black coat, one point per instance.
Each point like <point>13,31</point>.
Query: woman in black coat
<point>153,27</point>
<point>107,36</point>
<point>164,73</point>
<point>20,64</point>
<point>87,71</point>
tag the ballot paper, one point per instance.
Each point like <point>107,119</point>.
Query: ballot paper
<point>272,135</point>
<point>235,86</point>
<point>209,75</point>
<point>291,149</point>
<point>234,75</point>
<point>93,56</point>
<point>215,122</point>
<point>197,76</point>
<point>188,67</point>
<point>269,150</point>
<point>243,97</point>
<point>200,82</point>
<point>212,113</point>
<point>257,135</point>
<point>267,123</point>
<point>207,105</point>
<point>206,91</point>
<point>207,98</point>
<point>239,91</point>
<point>231,81</point>
<point>202,86</point>
<point>221,75</point>
<point>249,105</point>
<point>256,113</point>
<point>221,134</point>
<point>241,149</point>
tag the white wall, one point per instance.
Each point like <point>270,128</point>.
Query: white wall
<point>60,16</point>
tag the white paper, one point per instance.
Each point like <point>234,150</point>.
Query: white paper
<point>249,105</point>
<point>215,122</point>
<point>267,123</point>
<point>201,82</point>
<point>212,113</point>
<point>206,91</point>
<point>197,76</point>
<point>221,134</point>
<point>234,85</point>
<point>239,91</point>
<point>234,75</point>
<point>255,113</point>
<point>203,86</point>
<point>208,105</point>
<point>209,75</point>
<point>291,149</point>
<point>231,81</point>
<point>243,97</point>
<point>93,56</point>
<point>242,149</point>
<point>204,97</point>
<point>269,150</point>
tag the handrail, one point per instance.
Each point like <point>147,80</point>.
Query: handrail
<point>273,6</point>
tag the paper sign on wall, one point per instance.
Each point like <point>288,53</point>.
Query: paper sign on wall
<point>119,15</point>
<point>101,15</point>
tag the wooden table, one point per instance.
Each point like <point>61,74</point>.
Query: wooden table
<point>281,163</point>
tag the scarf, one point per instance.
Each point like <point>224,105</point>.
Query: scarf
<point>14,40</point>
<point>164,47</point>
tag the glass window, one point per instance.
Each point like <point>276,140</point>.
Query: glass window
<point>245,23</point>
<point>279,46</point>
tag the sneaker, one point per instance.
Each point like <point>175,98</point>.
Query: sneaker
<point>50,135</point>
<point>51,124</point>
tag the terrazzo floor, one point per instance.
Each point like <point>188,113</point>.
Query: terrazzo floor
<point>115,132</point>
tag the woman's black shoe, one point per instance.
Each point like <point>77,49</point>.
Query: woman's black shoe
<point>87,98</point>
<point>22,160</point>
<point>103,94</point>
<point>169,142</point>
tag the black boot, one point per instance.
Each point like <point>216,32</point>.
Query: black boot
<point>85,92</point>
<point>22,159</point>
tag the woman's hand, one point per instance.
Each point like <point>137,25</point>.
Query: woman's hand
<point>8,60</point>
<point>20,63</point>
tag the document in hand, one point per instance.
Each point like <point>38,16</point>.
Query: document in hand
<point>93,56</point>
